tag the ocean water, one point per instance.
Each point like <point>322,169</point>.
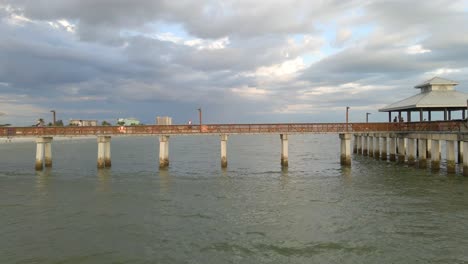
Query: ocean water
<point>252,212</point>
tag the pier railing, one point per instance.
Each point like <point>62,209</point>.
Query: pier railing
<point>292,128</point>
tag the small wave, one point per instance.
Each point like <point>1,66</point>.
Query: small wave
<point>196,216</point>
<point>228,247</point>
<point>313,249</point>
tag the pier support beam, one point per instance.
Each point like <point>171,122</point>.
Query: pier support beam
<point>392,148</point>
<point>48,152</point>
<point>371,146</point>
<point>359,144</point>
<point>163,151</point>
<point>450,148</point>
<point>107,157</point>
<point>465,158</point>
<point>43,144</point>
<point>422,160</point>
<point>435,157</point>
<point>460,151</point>
<point>355,144</point>
<point>284,150</point>
<point>103,159</point>
<point>384,148</point>
<point>429,148</point>
<point>411,151</point>
<point>224,162</point>
<point>364,145</point>
<point>401,150</point>
<point>345,157</point>
<point>377,147</point>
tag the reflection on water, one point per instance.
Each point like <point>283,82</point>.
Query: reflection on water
<point>284,177</point>
<point>254,211</point>
<point>104,178</point>
<point>346,173</point>
<point>43,180</point>
<point>164,180</point>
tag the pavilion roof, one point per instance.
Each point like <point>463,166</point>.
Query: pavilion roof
<point>431,98</point>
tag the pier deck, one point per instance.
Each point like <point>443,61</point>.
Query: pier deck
<point>287,128</point>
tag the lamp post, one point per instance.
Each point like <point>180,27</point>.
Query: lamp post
<point>53,117</point>
<point>367,117</point>
<point>347,119</point>
<point>347,114</point>
<point>200,115</point>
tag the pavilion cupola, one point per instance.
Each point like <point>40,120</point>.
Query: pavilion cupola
<point>436,84</point>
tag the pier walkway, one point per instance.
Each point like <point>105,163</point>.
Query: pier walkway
<point>412,142</point>
<point>280,128</point>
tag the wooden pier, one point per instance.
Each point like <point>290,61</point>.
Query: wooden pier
<point>393,141</point>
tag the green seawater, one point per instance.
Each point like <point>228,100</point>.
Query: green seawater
<point>252,212</point>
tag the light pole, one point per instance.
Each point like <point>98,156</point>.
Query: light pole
<point>347,114</point>
<point>367,117</point>
<point>200,115</point>
<point>53,117</point>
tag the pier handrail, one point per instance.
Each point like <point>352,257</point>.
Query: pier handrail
<point>297,128</point>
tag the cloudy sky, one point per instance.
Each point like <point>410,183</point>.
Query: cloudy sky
<point>241,61</point>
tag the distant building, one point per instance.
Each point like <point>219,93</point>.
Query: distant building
<point>82,122</point>
<point>164,120</point>
<point>128,121</point>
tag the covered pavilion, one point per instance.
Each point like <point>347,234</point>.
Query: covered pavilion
<point>437,95</point>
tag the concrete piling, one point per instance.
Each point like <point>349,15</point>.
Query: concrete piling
<point>370,149</point>
<point>460,151</point>
<point>364,145</point>
<point>345,157</point>
<point>103,146</point>
<point>465,158</point>
<point>401,150</point>
<point>429,148</point>
<point>284,150</point>
<point>355,144</point>
<point>392,148</point>
<point>377,147</point>
<point>43,146</point>
<point>450,156</point>
<point>359,144</point>
<point>224,138</point>
<point>422,154</point>
<point>411,151</point>
<point>384,148</point>
<point>48,152</point>
<point>107,154</point>
<point>163,151</point>
<point>435,157</point>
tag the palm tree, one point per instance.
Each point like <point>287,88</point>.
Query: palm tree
<point>40,122</point>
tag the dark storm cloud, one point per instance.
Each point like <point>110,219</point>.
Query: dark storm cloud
<point>113,62</point>
<point>206,19</point>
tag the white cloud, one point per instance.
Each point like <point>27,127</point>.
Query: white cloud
<point>14,18</point>
<point>443,71</point>
<point>343,89</point>
<point>200,44</point>
<point>63,24</point>
<point>417,49</point>
<point>282,70</point>
<point>251,92</point>
<point>320,108</point>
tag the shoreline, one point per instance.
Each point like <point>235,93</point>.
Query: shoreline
<point>33,139</point>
